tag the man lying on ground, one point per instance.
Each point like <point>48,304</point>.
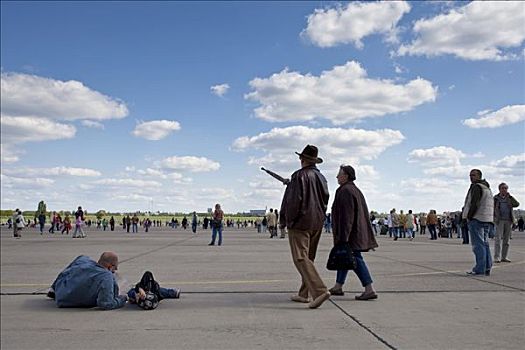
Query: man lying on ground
<point>86,283</point>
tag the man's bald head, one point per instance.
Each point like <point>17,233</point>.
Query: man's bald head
<point>109,260</point>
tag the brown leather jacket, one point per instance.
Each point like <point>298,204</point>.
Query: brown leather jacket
<point>305,200</point>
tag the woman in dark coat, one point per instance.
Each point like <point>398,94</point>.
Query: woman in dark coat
<point>351,223</point>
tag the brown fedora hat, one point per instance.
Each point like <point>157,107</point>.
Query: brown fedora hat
<point>310,153</point>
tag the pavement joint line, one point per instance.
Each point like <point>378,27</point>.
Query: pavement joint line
<point>393,292</point>
<point>365,327</point>
<point>453,274</point>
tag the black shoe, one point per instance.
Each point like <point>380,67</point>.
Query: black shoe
<point>487,273</point>
<point>211,243</point>
<point>472,273</point>
<point>51,294</point>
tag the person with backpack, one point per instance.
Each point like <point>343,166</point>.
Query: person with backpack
<point>148,293</point>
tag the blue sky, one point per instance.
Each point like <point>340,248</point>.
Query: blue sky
<point>174,106</point>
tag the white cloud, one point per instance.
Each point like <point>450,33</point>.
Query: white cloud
<point>436,156</point>
<point>220,90</point>
<point>342,95</point>
<point>56,171</point>
<point>33,109</point>
<point>480,30</point>
<point>23,95</point>
<point>176,177</point>
<point>156,129</point>
<point>138,198</point>
<point>505,116</point>
<point>353,22</point>
<point>92,124</point>
<point>19,183</point>
<point>189,163</point>
<point>138,184</point>
<point>22,129</point>
<point>513,165</point>
<point>9,153</point>
<point>336,145</point>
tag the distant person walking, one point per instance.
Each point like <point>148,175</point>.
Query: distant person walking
<point>422,224</point>
<point>271,218</point>
<point>432,221</point>
<point>67,224</point>
<point>194,222</point>
<point>135,223</point>
<point>112,223</point>
<point>79,221</point>
<point>18,223</point>
<point>217,224</point>
<point>479,213</point>
<point>503,219</point>
<point>303,213</point>
<point>351,224</point>
<point>42,222</point>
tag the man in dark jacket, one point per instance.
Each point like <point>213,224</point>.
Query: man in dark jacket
<point>303,211</point>
<point>351,223</point>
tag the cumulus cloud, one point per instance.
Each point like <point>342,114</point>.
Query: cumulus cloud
<point>353,22</point>
<point>505,116</point>
<point>436,156</point>
<point>513,165</point>
<point>55,171</point>
<point>343,94</point>
<point>16,130</point>
<point>336,145</point>
<point>26,183</point>
<point>92,124</point>
<point>34,109</point>
<point>189,163</point>
<point>220,90</point>
<point>23,94</point>
<point>9,153</point>
<point>480,30</point>
<point>175,177</point>
<point>156,129</point>
<point>112,182</point>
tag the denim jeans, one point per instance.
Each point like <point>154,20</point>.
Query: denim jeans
<point>135,228</point>
<point>479,236</point>
<point>361,271</point>
<point>410,232</point>
<point>216,230</point>
<point>432,230</point>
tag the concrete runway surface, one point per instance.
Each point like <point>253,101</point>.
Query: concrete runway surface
<point>236,296</point>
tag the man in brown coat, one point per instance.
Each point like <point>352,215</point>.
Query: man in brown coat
<point>351,224</point>
<point>303,211</point>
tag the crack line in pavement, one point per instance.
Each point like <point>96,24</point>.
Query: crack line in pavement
<point>452,273</point>
<point>292,291</point>
<point>155,250</point>
<point>366,328</point>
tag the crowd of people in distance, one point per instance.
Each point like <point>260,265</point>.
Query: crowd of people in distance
<point>303,218</point>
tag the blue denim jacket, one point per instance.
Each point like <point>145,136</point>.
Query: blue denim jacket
<point>84,283</point>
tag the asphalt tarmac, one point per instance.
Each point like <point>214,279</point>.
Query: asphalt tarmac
<point>236,296</point>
